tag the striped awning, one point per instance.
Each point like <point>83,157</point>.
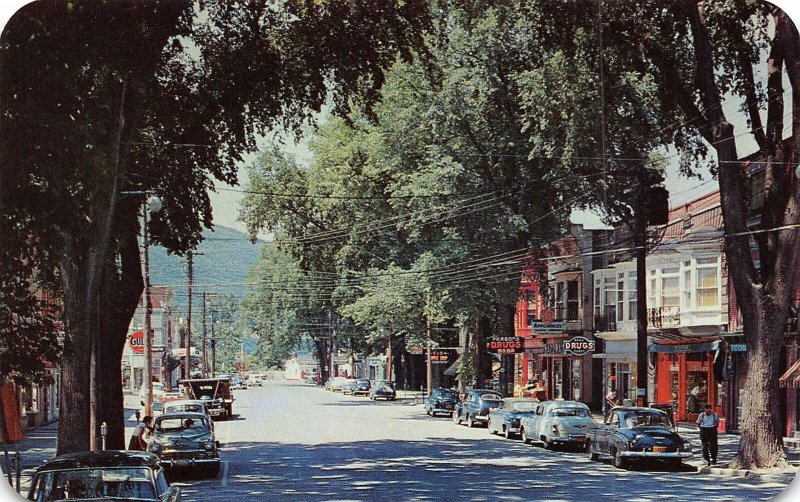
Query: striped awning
<point>791,378</point>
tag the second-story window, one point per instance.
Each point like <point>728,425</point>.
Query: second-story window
<point>687,284</point>
<point>621,296</point>
<point>708,282</point>
<point>631,296</point>
<point>560,300</point>
<point>573,301</point>
<point>670,292</point>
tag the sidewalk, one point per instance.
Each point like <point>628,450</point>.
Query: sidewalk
<point>36,447</point>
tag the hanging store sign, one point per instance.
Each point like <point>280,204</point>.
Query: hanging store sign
<point>415,350</point>
<point>543,328</point>
<point>579,346</point>
<point>506,345</point>
<point>137,342</point>
<point>439,356</point>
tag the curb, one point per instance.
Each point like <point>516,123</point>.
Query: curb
<point>728,473</point>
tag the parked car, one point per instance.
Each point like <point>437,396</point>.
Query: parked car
<point>103,475</point>
<point>215,392</point>
<point>335,384</point>
<point>506,419</point>
<point>558,422</point>
<point>383,389</point>
<point>185,405</point>
<point>476,406</point>
<point>360,386</point>
<point>238,382</point>
<point>254,379</point>
<point>347,385</point>
<point>185,440</point>
<point>630,433</point>
<point>441,401</point>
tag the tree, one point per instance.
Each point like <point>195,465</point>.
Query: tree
<point>146,96</point>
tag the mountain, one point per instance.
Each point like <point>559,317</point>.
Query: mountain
<point>221,263</point>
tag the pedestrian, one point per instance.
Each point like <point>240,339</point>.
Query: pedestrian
<point>137,441</point>
<point>610,401</point>
<point>708,422</point>
<point>539,391</point>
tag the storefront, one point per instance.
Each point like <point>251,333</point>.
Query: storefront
<point>562,363</point>
<point>619,365</point>
<point>691,375</point>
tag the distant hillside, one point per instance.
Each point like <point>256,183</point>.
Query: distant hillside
<point>221,265</point>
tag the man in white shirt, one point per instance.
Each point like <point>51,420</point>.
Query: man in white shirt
<point>708,422</point>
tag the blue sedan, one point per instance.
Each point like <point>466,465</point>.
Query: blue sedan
<point>506,419</point>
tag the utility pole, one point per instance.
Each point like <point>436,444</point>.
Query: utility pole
<point>205,370</point>
<point>148,329</point>
<point>429,368</point>
<point>213,349</point>
<point>389,359</point>
<point>640,244</point>
<point>186,361</point>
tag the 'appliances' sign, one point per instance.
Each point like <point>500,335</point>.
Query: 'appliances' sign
<point>506,345</point>
<point>543,328</point>
<point>579,345</point>
<point>137,342</point>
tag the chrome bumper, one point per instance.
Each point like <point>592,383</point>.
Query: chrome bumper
<point>650,454</point>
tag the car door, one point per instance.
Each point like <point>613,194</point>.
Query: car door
<point>610,425</point>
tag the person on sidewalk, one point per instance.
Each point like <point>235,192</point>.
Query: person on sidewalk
<point>708,422</point>
<point>610,401</point>
<point>137,441</point>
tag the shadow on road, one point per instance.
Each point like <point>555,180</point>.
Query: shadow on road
<point>438,469</point>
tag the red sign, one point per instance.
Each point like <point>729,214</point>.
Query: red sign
<point>137,342</point>
<point>505,345</point>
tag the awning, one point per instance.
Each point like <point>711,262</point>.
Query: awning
<point>451,370</point>
<point>791,378</point>
<point>678,348</point>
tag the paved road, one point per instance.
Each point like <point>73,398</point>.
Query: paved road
<point>292,441</point>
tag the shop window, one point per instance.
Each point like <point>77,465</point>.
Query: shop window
<point>696,382</point>
<point>558,383</point>
<point>576,379</point>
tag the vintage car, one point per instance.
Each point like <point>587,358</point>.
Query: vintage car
<point>346,386</point>
<point>158,394</point>
<point>185,405</point>
<point>360,386</point>
<point>384,390</point>
<point>215,392</point>
<point>185,440</point>
<point>335,384</point>
<point>558,423</point>
<point>441,401</point>
<point>254,379</point>
<point>103,475</point>
<point>238,382</point>
<point>630,433</point>
<point>506,419</point>
<point>475,406</point>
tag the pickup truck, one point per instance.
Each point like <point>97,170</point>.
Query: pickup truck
<point>215,392</point>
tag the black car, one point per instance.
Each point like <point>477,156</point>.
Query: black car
<point>186,440</point>
<point>476,406</point>
<point>506,419</point>
<point>383,390</point>
<point>360,386</point>
<point>637,433</point>
<point>103,475</point>
<point>441,401</point>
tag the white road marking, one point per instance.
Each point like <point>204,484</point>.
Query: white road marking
<point>224,473</point>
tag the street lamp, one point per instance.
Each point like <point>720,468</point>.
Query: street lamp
<point>152,205</point>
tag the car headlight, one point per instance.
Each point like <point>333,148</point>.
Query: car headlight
<point>155,447</point>
<point>687,446</point>
<point>207,444</point>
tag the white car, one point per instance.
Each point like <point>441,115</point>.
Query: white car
<point>558,422</point>
<point>158,393</point>
<point>254,379</point>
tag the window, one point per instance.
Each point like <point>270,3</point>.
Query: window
<point>632,296</point>
<point>621,297</point>
<point>597,299</point>
<point>687,284</point>
<point>572,301</point>
<point>670,293</point>
<point>560,300</point>
<point>609,296</point>
<point>651,289</point>
<point>707,282</point>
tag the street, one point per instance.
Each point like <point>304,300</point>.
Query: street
<point>296,441</point>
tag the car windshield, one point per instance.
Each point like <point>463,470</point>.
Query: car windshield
<point>637,418</point>
<point>363,381</point>
<point>131,483</point>
<point>492,397</point>
<point>177,408</point>
<point>179,424</point>
<point>524,407</point>
<point>569,412</point>
<point>446,393</point>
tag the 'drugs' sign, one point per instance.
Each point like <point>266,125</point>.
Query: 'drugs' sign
<point>506,345</point>
<point>579,346</point>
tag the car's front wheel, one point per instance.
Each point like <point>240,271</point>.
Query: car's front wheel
<point>592,455</point>
<point>456,418</point>
<point>509,434</point>
<point>212,471</point>
<point>619,461</point>
<point>525,438</point>
<point>470,421</point>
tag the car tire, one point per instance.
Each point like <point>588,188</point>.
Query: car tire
<point>212,471</point>
<point>619,461</point>
<point>545,443</point>
<point>525,438</point>
<point>508,433</point>
<point>489,427</point>
<point>428,412</point>
<point>456,418</point>
<point>470,421</point>
<point>592,455</point>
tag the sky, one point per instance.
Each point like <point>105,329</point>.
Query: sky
<point>226,200</point>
